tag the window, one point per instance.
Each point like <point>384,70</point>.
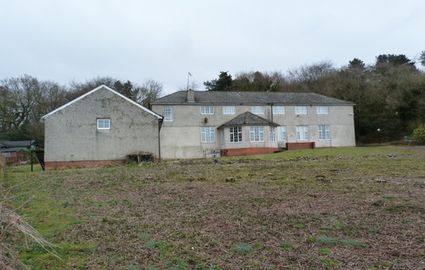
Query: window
<point>257,134</point>
<point>278,110</point>
<point>302,133</point>
<point>281,135</point>
<point>228,109</point>
<point>257,109</point>
<point>207,134</point>
<point>168,113</point>
<point>300,109</point>
<point>272,134</point>
<point>235,134</point>
<point>103,123</point>
<point>207,110</point>
<point>324,132</point>
<point>322,109</point>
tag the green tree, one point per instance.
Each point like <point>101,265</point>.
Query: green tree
<point>422,58</point>
<point>356,63</point>
<point>223,83</point>
<point>393,59</point>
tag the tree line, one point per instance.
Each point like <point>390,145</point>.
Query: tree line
<point>389,94</point>
<point>25,99</point>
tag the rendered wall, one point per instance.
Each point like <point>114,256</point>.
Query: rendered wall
<point>181,137</point>
<point>71,134</point>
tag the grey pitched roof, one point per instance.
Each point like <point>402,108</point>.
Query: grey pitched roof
<point>14,146</point>
<point>25,143</point>
<point>249,98</point>
<point>248,119</point>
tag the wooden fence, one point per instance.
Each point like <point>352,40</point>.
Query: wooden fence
<point>2,166</point>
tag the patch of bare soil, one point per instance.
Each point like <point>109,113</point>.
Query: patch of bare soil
<point>250,214</point>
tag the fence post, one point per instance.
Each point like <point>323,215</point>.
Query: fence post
<point>2,166</point>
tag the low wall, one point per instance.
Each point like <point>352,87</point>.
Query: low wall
<point>51,165</point>
<point>248,151</point>
<point>303,145</point>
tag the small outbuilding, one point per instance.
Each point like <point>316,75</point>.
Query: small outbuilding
<point>101,127</point>
<point>16,151</point>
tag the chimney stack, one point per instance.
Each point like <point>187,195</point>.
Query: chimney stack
<point>190,96</point>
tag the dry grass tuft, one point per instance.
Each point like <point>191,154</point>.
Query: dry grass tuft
<point>11,226</point>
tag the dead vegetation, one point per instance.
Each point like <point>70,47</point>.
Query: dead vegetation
<point>323,212</point>
<point>13,227</point>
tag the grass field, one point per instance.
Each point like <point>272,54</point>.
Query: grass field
<point>348,208</point>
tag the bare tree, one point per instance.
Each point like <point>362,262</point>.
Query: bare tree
<point>18,100</point>
<point>148,92</point>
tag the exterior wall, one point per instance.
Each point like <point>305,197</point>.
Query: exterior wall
<point>14,157</point>
<point>71,134</point>
<point>82,164</point>
<point>181,138</point>
<point>248,151</point>
<point>246,142</point>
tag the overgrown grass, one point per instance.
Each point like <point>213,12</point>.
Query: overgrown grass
<point>341,152</point>
<point>51,217</point>
<point>303,209</point>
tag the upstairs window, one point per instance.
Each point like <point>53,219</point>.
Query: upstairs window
<point>207,110</point>
<point>257,134</point>
<point>278,109</point>
<point>301,110</point>
<point>235,134</point>
<point>322,110</point>
<point>207,134</point>
<point>168,113</point>
<point>257,109</point>
<point>103,123</point>
<point>229,110</point>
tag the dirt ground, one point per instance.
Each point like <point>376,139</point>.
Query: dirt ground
<point>328,210</point>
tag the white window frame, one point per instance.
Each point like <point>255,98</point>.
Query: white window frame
<point>301,110</point>
<point>168,114</point>
<point>229,109</point>
<point>302,133</point>
<point>272,134</point>
<point>322,109</point>
<point>208,135</point>
<point>257,110</point>
<point>207,110</point>
<point>236,135</point>
<point>100,123</point>
<point>282,135</point>
<point>324,132</point>
<point>278,109</point>
<point>256,134</point>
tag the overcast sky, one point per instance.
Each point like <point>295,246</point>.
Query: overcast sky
<point>162,40</point>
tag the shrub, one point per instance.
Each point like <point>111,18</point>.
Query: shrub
<point>418,135</point>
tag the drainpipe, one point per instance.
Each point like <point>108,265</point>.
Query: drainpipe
<point>271,112</point>
<point>159,138</point>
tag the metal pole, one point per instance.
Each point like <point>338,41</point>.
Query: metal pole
<point>32,163</point>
